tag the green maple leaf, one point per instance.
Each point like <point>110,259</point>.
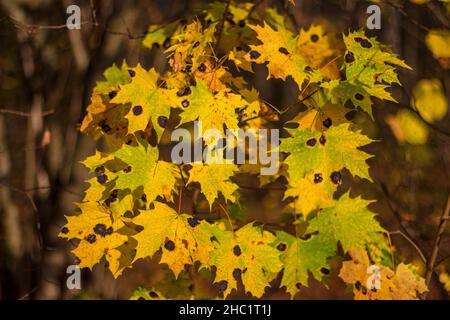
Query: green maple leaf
<point>349,222</point>
<point>309,153</point>
<point>148,100</point>
<point>214,179</point>
<point>183,239</point>
<point>370,69</point>
<point>299,257</point>
<point>114,76</point>
<point>246,252</point>
<point>143,169</point>
<point>159,34</point>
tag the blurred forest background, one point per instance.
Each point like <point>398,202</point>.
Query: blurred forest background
<point>46,76</point>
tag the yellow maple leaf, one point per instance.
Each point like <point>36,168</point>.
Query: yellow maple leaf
<point>214,111</point>
<point>246,254</point>
<point>214,179</point>
<point>147,99</point>
<point>183,239</point>
<point>279,50</point>
<point>311,193</point>
<point>402,284</point>
<point>98,233</point>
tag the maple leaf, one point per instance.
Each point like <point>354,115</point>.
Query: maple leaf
<point>245,253</point>
<point>213,110</point>
<point>279,49</point>
<point>192,43</point>
<point>184,239</point>
<point>103,118</point>
<point>327,153</point>
<point>369,68</point>
<point>214,179</point>
<point>160,35</point>
<point>309,194</point>
<point>143,169</point>
<point>299,257</point>
<point>403,284</point>
<point>148,100</point>
<point>349,221</point>
<point>98,231</point>
<point>114,77</point>
<point>321,113</point>
<point>235,29</point>
<point>146,294</point>
<point>319,48</point>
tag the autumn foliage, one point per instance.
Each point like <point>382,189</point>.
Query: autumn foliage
<point>133,207</point>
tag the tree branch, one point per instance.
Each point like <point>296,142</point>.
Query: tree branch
<point>437,241</point>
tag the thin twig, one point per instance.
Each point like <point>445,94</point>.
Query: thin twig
<point>221,26</point>
<point>404,232</point>
<point>25,114</point>
<point>422,256</point>
<point>93,12</point>
<point>437,241</point>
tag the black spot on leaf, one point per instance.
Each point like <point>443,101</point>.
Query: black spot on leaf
<point>366,44</point>
<point>222,285</point>
<point>193,222</point>
<point>163,121</point>
<point>236,273</point>
<point>281,247</point>
<point>91,238</point>
<point>349,57</point>
<point>184,92</point>
<point>237,251</point>
<point>102,179</point>
<point>254,55</point>
<point>185,103</point>
<point>314,38</point>
<point>100,170</point>
<point>359,97</point>
<point>128,214</point>
<point>327,123</point>
<point>169,245</point>
<point>112,94</point>
<point>202,67</point>
<point>311,142</point>
<point>131,72</point>
<point>336,177</point>
<point>322,140</point>
<point>64,230</point>
<point>137,110</point>
<point>283,51</point>
<point>318,178</point>
<point>127,169</point>
<point>100,229</point>
<point>325,271</point>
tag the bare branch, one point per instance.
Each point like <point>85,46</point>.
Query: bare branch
<point>437,242</point>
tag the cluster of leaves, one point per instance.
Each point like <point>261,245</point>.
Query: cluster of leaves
<point>132,209</point>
